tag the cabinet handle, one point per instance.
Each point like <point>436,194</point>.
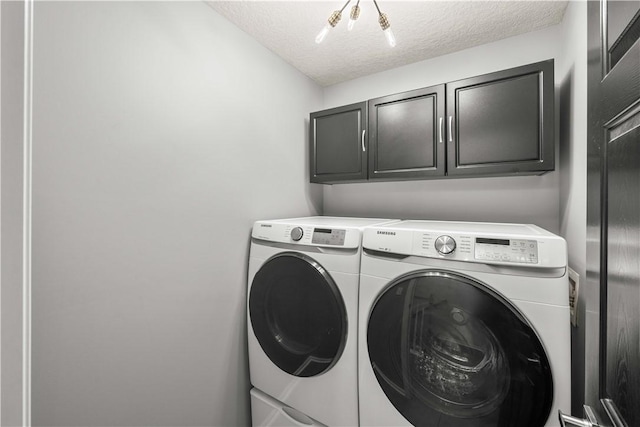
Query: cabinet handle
<point>450,125</point>
<point>441,122</point>
<point>363,147</point>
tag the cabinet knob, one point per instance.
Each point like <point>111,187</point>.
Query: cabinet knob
<point>296,234</point>
<point>445,245</point>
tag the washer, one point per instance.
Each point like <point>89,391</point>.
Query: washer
<point>463,324</point>
<point>302,312</point>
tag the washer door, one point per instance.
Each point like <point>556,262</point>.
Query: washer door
<point>449,351</point>
<point>298,314</point>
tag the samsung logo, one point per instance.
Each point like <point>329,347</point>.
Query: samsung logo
<point>387,233</point>
<point>266,225</point>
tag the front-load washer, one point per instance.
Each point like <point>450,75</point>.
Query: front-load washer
<point>302,314</point>
<point>463,324</point>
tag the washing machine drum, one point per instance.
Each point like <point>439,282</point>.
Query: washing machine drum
<point>449,351</point>
<point>298,315</point>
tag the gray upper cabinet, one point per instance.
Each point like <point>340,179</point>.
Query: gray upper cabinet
<point>406,135</point>
<point>496,124</point>
<point>502,123</point>
<point>338,144</point>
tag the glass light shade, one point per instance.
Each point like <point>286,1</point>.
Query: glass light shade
<point>391,39</point>
<point>323,33</point>
<point>353,16</point>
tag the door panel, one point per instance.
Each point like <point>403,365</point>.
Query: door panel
<point>337,144</point>
<point>403,134</point>
<point>502,122</point>
<point>613,211</point>
<point>406,134</point>
<point>336,132</point>
<point>621,31</point>
<point>481,129</point>
<point>622,334</point>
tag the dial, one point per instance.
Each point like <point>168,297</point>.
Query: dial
<point>445,245</point>
<point>296,233</point>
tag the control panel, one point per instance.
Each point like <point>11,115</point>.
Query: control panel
<point>484,249</point>
<point>506,250</point>
<point>524,245</point>
<point>328,236</point>
<point>304,234</point>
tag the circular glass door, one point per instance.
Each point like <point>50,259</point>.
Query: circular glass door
<point>298,314</point>
<point>449,351</point>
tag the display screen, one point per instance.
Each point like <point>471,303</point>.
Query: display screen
<point>328,236</point>
<point>504,242</point>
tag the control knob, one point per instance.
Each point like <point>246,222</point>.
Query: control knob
<point>296,234</point>
<point>445,245</point>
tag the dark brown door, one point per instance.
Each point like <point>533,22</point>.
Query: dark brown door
<point>407,135</point>
<point>502,123</point>
<point>613,248</point>
<point>337,142</point>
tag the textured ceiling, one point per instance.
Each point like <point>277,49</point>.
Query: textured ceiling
<point>423,29</point>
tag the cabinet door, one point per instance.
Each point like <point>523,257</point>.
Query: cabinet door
<point>502,123</point>
<point>406,135</point>
<point>338,144</point>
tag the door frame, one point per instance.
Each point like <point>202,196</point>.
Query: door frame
<point>15,196</point>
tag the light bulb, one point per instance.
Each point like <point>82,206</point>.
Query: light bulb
<point>390,37</point>
<point>331,22</point>
<point>353,16</point>
<point>323,33</point>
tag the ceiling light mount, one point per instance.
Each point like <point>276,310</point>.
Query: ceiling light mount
<point>353,17</point>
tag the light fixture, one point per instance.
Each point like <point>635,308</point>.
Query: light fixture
<point>353,17</point>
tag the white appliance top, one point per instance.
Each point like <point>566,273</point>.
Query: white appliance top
<point>474,227</point>
<point>524,245</point>
<point>323,231</point>
<point>330,221</point>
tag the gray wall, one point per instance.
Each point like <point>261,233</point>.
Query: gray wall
<point>161,132</point>
<point>514,199</point>
<point>11,215</point>
<point>573,173</point>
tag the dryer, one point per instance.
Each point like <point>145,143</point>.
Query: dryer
<point>463,324</point>
<point>302,312</point>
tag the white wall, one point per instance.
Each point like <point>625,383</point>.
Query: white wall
<point>573,171</point>
<point>161,132</point>
<point>11,215</point>
<point>532,199</point>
